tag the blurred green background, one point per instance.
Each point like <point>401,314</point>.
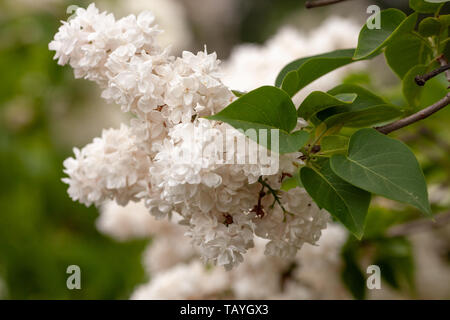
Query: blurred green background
<point>44,111</point>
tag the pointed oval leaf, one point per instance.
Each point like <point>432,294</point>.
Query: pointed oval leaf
<point>311,68</point>
<point>384,166</point>
<point>317,101</point>
<point>343,201</point>
<point>266,108</point>
<point>392,23</point>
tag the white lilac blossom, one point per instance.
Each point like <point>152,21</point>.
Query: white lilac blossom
<point>168,156</point>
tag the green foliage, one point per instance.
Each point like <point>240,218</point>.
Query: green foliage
<point>367,109</point>
<point>423,6</point>
<point>318,101</point>
<point>345,202</point>
<point>383,166</point>
<point>265,108</point>
<point>341,173</point>
<point>411,91</point>
<point>393,23</point>
<point>406,52</point>
<point>299,73</point>
<point>429,27</point>
<point>333,144</point>
<point>42,231</point>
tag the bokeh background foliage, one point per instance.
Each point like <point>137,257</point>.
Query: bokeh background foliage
<point>42,231</point>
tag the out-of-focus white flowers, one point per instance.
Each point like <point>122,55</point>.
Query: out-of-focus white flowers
<point>313,274</point>
<point>146,161</point>
<point>251,66</point>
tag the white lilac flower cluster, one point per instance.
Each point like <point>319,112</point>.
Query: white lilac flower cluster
<point>220,204</point>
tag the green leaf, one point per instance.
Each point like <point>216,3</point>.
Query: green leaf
<point>290,82</point>
<point>423,6</point>
<point>268,106</point>
<point>430,27</point>
<point>317,101</point>
<point>405,53</point>
<point>345,202</point>
<point>265,108</point>
<point>393,22</point>
<point>364,99</point>
<point>333,144</point>
<point>369,116</point>
<point>411,90</point>
<point>299,73</point>
<point>367,109</point>
<point>384,166</point>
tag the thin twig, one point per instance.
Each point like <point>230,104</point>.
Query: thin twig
<point>422,114</point>
<point>422,79</point>
<point>320,3</point>
<point>419,225</point>
<point>443,62</point>
<point>273,192</point>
